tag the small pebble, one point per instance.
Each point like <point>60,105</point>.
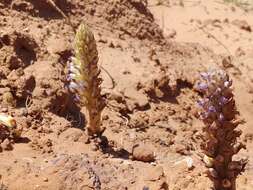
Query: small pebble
<point>6,145</point>
<point>45,179</point>
<point>189,162</point>
<point>94,147</point>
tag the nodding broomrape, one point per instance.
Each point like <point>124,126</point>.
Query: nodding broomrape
<point>218,111</point>
<point>84,80</point>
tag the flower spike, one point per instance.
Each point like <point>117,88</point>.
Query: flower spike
<point>218,111</point>
<point>83,74</point>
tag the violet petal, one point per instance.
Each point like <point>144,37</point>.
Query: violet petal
<point>202,86</point>
<point>211,109</point>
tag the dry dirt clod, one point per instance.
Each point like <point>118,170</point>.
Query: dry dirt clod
<point>6,145</point>
<point>227,62</point>
<point>242,24</point>
<point>136,99</point>
<point>73,134</point>
<point>154,173</point>
<point>8,99</point>
<point>154,178</point>
<point>181,149</point>
<point>58,45</point>
<point>143,153</point>
<point>94,147</point>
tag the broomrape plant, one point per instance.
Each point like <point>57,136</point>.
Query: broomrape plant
<point>83,75</point>
<point>220,116</point>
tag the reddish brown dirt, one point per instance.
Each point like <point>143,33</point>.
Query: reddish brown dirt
<point>151,54</point>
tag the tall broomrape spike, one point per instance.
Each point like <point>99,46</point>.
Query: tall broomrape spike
<point>220,116</point>
<point>84,78</point>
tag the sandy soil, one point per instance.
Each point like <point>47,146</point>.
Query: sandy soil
<point>151,53</point>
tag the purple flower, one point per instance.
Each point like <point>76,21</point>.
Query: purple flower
<point>205,76</point>
<point>77,98</point>
<point>70,76</point>
<point>203,115</point>
<point>202,86</point>
<point>70,66</point>
<point>218,90</point>
<point>213,85</point>
<point>73,86</point>
<point>227,84</point>
<point>201,102</point>
<point>223,100</point>
<point>211,109</point>
<point>221,117</point>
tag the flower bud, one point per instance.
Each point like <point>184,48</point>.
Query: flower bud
<point>226,183</point>
<point>7,121</point>
<point>202,86</point>
<point>212,172</point>
<point>235,165</point>
<point>208,161</point>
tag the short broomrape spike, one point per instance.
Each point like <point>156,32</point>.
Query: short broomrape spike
<point>85,80</point>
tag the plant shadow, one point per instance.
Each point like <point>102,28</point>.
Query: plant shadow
<point>22,140</point>
<point>108,148</point>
